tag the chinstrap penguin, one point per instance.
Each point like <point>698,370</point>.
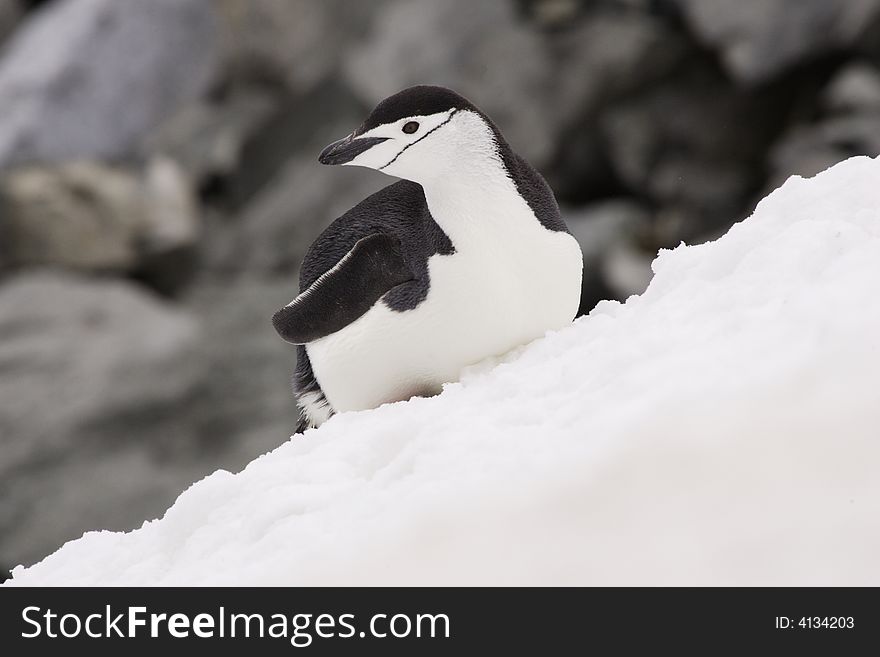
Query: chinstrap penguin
<point>464,258</point>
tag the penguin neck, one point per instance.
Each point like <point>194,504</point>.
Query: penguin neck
<point>476,203</point>
<point>468,189</point>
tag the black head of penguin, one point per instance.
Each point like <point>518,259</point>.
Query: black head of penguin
<point>421,100</point>
<point>410,116</point>
<point>411,103</point>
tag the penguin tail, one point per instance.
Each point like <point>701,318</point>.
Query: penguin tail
<point>302,425</point>
<point>313,405</point>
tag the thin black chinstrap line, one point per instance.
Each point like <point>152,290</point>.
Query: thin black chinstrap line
<point>402,150</point>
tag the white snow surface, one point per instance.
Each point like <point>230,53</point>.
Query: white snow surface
<point>721,428</point>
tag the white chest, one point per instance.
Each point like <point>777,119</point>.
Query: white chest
<point>509,281</point>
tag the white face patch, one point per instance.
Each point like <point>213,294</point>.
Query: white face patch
<point>383,156</point>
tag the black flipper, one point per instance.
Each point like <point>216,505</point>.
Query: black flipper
<point>345,292</point>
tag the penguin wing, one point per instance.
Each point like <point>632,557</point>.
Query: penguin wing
<point>344,292</point>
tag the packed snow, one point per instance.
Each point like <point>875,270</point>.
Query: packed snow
<point>721,428</point>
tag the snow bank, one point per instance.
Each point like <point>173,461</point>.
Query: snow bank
<point>722,428</point>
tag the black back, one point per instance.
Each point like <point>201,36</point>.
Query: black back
<point>400,211</point>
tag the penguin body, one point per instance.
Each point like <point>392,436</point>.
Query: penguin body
<point>465,258</point>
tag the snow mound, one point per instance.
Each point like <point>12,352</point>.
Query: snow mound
<point>721,428</point>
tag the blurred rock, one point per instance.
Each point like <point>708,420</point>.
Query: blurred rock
<point>758,39</point>
<point>74,352</point>
<point>868,45</point>
<point>275,229</point>
<point>581,170</point>
<point>88,78</point>
<point>236,145</point>
<point>299,126</point>
<point>285,201</point>
<point>609,233</point>
<point>68,354</point>
<point>551,13</point>
<point>627,269</point>
<point>91,216</point>
<point>599,226</point>
<point>605,57</point>
<point>246,406</point>
<point>112,402</point>
<point>82,215</point>
<point>808,149</point>
<point>169,244</point>
<point>480,49</point>
<point>10,13</point>
<point>693,142</point>
<point>856,88</point>
<point>294,43</point>
<point>851,127</point>
<point>206,138</point>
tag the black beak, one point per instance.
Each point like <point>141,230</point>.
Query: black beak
<point>345,150</point>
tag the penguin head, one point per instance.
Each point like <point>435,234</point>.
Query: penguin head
<point>419,134</point>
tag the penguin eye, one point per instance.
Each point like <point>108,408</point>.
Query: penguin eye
<point>410,127</point>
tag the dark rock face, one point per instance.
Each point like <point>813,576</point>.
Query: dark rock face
<point>159,186</point>
<point>692,144</point>
<point>856,88</point>
<point>283,219</point>
<point>294,43</point>
<point>807,150</point>
<point>88,78</point>
<point>849,125</point>
<point>758,39</point>
<point>609,233</point>
<point>10,13</point>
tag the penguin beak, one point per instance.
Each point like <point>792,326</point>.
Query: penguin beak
<point>345,150</point>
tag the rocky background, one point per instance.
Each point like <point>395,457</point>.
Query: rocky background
<point>159,186</point>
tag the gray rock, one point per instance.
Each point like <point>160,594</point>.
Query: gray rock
<point>607,55</point>
<point>72,353</point>
<point>604,57</point>
<point>856,88</point>
<point>297,43</point>
<point>234,146</point>
<point>275,229</point>
<point>758,39</point>
<point>10,13</point>
<point>552,13</point>
<point>599,226</point>
<point>286,207</point>
<point>610,233</point>
<point>808,149</point>
<point>112,402</point>
<point>74,349</point>
<point>89,78</point>
<point>692,142</point>
<point>207,138</point>
<point>95,217</point>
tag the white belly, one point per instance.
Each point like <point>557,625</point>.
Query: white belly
<point>492,295</point>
